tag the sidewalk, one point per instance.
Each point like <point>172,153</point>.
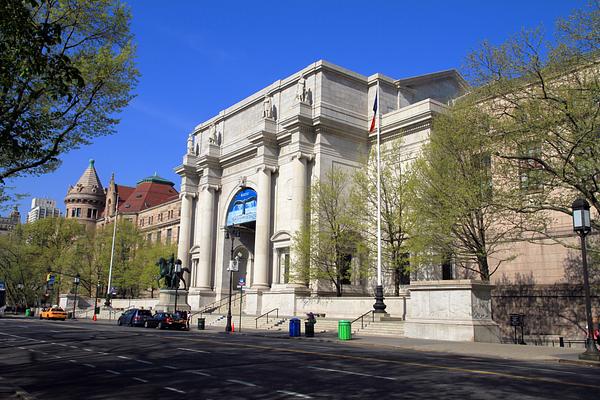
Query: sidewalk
<point>474,349</point>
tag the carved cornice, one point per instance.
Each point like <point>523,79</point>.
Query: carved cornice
<point>210,187</point>
<point>301,155</point>
<point>272,169</point>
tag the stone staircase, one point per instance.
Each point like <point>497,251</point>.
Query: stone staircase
<point>389,327</point>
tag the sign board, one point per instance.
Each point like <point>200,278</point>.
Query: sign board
<point>233,266</point>
<point>242,208</point>
<point>242,281</point>
<point>516,319</point>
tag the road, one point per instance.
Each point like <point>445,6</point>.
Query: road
<point>79,360</point>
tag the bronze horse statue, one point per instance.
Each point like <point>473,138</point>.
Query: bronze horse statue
<point>167,272</point>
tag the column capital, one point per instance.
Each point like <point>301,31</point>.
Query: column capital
<point>302,156</point>
<point>209,187</point>
<point>263,168</point>
<point>189,195</point>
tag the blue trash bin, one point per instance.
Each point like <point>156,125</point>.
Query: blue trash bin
<point>294,327</point>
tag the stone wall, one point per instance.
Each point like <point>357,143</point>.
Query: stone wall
<point>557,310</point>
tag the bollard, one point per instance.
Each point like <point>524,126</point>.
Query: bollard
<point>561,341</point>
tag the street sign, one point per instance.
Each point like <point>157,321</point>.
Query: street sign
<point>242,282</point>
<point>516,319</point>
<point>233,266</point>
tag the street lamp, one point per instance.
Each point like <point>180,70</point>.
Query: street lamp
<point>20,287</point>
<point>94,318</point>
<point>177,273</point>
<point>230,233</point>
<point>76,280</point>
<point>582,226</point>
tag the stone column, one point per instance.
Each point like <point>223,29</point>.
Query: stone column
<point>185,230</point>
<point>299,190</point>
<point>263,231</point>
<point>207,202</point>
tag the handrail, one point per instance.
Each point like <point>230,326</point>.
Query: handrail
<point>362,321</point>
<point>267,314</point>
<point>217,304</point>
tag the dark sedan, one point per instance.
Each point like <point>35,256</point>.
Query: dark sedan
<point>164,320</point>
<point>134,317</point>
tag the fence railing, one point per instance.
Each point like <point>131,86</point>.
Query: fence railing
<point>267,315</point>
<point>362,318</point>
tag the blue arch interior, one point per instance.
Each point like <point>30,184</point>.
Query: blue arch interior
<point>242,208</point>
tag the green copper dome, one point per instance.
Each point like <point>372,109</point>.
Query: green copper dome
<point>156,179</point>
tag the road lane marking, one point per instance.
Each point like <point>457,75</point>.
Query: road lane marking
<point>199,373</point>
<point>43,352</point>
<point>341,371</point>
<point>88,350</point>
<point>110,371</point>
<point>124,358</point>
<point>240,382</point>
<point>139,380</point>
<point>62,345</point>
<point>143,361</point>
<point>90,365</point>
<point>302,396</point>
<point>169,366</point>
<point>73,361</point>
<point>103,353</point>
<point>22,348</point>
<point>174,390</point>
<point>399,362</point>
<point>57,356</point>
<point>74,347</point>
<point>56,331</point>
<point>32,350</point>
<point>193,350</point>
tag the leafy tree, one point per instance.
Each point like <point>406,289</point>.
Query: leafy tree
<point>327,244</point>
<point>459,214</point>
<point>395,221</point>
<point>543,102</point>
<point>66,70</point>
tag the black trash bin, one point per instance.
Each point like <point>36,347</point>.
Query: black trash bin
<point>201,324</point>
<point>309,329</point>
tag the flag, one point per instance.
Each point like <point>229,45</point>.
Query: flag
<point>372,128</point>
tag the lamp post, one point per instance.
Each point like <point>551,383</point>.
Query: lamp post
<point>230,233</point>
<point>177,273</point>
<point>96,299</point>
<point>19,290</point>
<point>76,281</point>
<point>582,226</point>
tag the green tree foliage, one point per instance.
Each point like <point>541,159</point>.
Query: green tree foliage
<point>66,70</point>
<point>457,211</point>
<point>328,243</point>
<point>395,216</point>
<point>543,102</point>
<point>64,248</point>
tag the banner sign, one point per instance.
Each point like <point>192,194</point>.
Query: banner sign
<point>242,208</point>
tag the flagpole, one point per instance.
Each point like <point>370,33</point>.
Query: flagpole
<point>112,253</point>
<point>379,306</point>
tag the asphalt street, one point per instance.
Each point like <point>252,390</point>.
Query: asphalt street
<point>79,360</point>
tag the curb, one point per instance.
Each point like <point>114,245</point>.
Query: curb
<point>586,363</point>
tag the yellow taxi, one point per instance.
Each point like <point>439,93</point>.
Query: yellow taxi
<point>53,313</point>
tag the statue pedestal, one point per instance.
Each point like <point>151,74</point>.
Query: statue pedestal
<point>166,300</point>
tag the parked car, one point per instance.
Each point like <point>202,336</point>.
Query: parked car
<point>134,317</point>
<point>53,313</point>
<point>164,320</point>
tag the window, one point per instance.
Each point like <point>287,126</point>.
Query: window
<point>72,213</point>
<point>284,265</point>
<point>150,220</point>
<point>160,217</point>
<point>78,212</point>
<point>158,237</point>
<point>169,234</point>
<point>94,213</point>
<point>447,270</point>
<point>530,170</point>
<point>149,237</point>
<point>141,221</point>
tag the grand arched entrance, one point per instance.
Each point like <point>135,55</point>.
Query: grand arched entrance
<point>240,226</point>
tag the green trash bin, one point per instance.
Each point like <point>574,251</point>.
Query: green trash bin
<point>344,330</point>
<point>201,324</point>
<point>27,312</point>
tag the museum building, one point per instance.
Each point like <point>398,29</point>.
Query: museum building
<point>247,173</point>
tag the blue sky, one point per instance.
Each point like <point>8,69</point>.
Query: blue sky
<point>199,57</point>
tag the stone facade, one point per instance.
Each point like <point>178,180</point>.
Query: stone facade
<point>161,223</point>
<point>9,223</point>
<point>276,143</point>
